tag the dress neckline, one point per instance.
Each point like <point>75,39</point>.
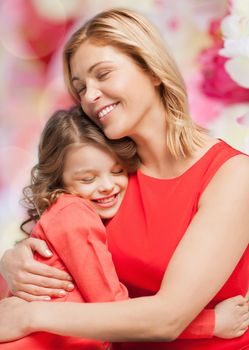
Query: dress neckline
<point>207,153</point>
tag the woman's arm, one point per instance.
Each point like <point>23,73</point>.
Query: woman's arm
<point>218,236</point>
<point>29,279</point>
<point>78,237</point>
<point>4,290</point>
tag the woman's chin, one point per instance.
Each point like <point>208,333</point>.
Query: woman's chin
<point>114,134</point>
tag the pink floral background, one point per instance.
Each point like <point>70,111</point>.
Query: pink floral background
<point>32,33</point>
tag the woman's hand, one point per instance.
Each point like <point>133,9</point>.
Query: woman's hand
<point>12,323</point>
<point>29,279</point>
<point>231,318</point>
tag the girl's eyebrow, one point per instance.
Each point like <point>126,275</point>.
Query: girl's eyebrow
<point>91,68</point>
<point>81,171</point>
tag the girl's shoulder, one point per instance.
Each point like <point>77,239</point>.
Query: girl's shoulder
<point>66,202</point>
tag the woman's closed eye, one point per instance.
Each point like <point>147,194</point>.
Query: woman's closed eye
<point>103,75</point>
<point>81,90</point>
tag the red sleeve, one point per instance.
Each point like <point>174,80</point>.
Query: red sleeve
<point>78,236</point>
<point>201,327</point>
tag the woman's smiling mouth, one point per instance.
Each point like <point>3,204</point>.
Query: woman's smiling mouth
<point>104,111</point>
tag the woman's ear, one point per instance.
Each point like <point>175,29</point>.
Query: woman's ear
<point>155,80</point>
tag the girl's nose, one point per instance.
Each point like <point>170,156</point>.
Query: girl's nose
<point>106,185</point>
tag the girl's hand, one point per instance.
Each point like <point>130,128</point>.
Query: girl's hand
<point>231,318</point>
<point>29,279</point>
<point>12,323</point>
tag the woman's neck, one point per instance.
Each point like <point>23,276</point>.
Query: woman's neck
<point>156,161</point>
<point>150,138</point>
<point>154,155</point>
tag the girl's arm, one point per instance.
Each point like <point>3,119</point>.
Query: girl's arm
<point>218,234</point>
<point>78,236</point>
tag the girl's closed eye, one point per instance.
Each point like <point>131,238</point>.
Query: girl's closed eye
<point>87,179</point>
<point>118,170</point>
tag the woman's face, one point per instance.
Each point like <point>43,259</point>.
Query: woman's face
<point>114,92</point>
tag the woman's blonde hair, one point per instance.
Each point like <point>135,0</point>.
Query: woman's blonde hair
<point>136,37</point>
<point>64,129</point>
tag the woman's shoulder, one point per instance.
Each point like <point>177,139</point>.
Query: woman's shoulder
<point>231,176</point>
<point>236,167</point>
<point>231,158</point>
<point>217,153</point>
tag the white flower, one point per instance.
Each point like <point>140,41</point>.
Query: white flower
<point>235,29</point>
<point>238,68</point>
<point>235,26</point>
<point>240,7</point>
<point>234,48</point>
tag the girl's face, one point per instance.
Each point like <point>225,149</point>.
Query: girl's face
<point>114,92</point>
<point>94,174</point>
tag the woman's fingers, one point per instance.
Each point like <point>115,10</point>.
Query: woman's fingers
<point>37,268</point>
<point>40,291</point>
<point>243,309</point>
<point>245,317</point>
<point>239,300</point>
<point>37,285</point>
<point>30,297</point>
<point>244,325</point>
<point>40,294</point>
<point>25,275</point>
<point>38,245</point>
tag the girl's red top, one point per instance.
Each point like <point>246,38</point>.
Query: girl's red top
<point>143,236</point>
<point>77,237</point>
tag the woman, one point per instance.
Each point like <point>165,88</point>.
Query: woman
<point>186,246</point>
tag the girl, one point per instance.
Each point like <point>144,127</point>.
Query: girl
<point>76,161</point>
<point>186,247</point>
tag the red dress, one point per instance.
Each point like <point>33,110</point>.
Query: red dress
<point>152,219</point>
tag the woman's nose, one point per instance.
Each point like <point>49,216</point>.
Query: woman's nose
<point>92,94</point>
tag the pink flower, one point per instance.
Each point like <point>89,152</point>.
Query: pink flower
<point>216,81</point>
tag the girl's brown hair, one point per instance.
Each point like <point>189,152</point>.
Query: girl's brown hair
<point>136,37</point>
<point>62,130</point>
